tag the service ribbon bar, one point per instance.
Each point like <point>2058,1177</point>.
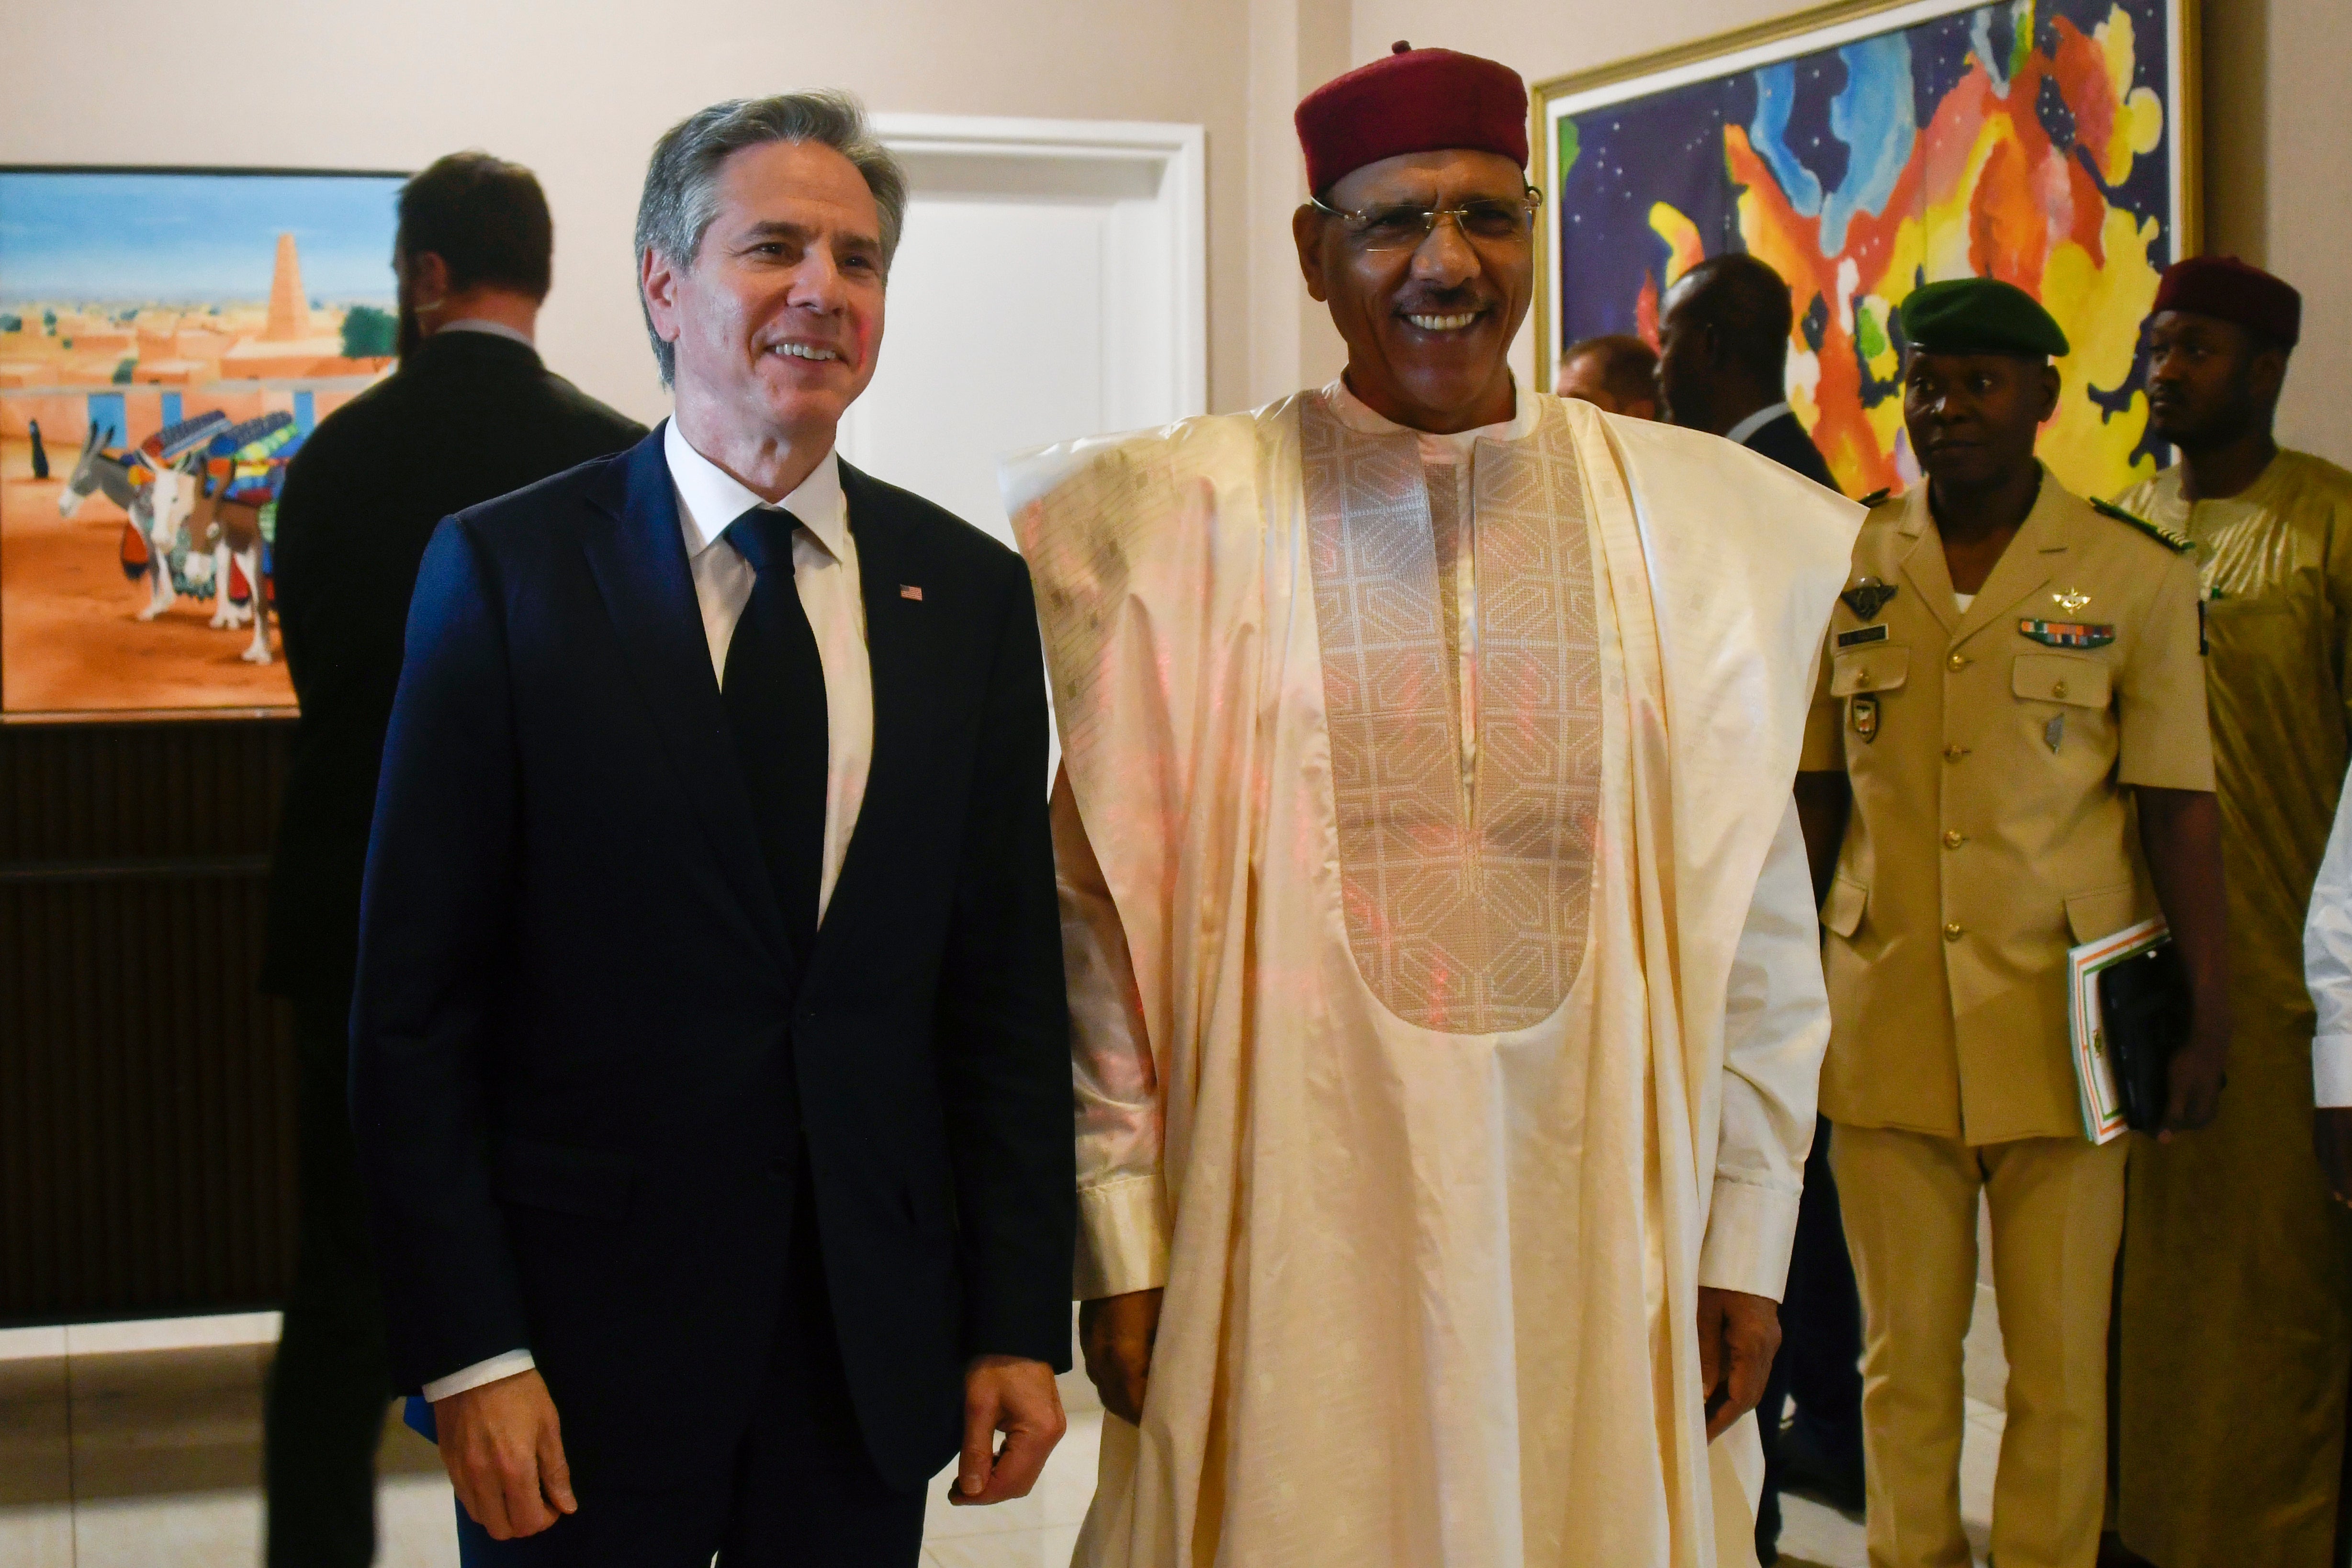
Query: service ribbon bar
<point>2067,634</point>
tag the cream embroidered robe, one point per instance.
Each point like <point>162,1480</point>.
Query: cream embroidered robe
<point>1445,988</point>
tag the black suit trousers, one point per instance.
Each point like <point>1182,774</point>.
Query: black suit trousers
<point>332,1378</point>
<point>1821,1343</point>
<point>800,1491</point>
<point>1819,1363</point>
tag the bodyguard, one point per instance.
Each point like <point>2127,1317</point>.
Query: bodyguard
<point>470,415</point>
<point>2007,672</point>
<point>2237,1460</point>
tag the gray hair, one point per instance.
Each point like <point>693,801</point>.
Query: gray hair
<point>681,194</point>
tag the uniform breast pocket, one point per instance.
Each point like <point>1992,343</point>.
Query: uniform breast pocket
<point>2063,705</point>
<point>1866,678</point>
<point>2062,679</point>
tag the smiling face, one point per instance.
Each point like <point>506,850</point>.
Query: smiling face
<point>1428,327</point>
<point>1972,417</point>
<point>2209,381</point>
<point>778,322</point>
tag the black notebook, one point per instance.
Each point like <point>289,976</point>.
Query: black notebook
<point>2143,1020</point>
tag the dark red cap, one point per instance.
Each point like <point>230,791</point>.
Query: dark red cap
<point>2228,289</point>
<point>1415,101</point>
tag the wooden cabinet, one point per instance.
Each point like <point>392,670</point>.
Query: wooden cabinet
<point>147,1135</point>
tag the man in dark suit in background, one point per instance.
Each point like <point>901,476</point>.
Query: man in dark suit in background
<point>1618,375</point>
<point>470,413</point>
<point>711,1057</point>
<point>1723,357</point>
<point>1723,367</point>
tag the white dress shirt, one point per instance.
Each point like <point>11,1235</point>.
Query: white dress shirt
<point>488,329</point>
<point>2327,966</point>
<point>825,571</point>
<point>1738,435</point>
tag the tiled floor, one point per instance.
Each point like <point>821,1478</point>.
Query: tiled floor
<point>1814,1536</point>
<point>143,1458</point>
<point>137,1458</point>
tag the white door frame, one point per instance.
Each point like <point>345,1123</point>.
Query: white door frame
<point>1179,153</point>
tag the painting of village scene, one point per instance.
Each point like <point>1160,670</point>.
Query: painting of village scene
<point>168,339</point>
<point>2039,142</point>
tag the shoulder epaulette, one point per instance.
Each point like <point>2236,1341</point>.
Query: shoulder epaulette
<point>1876,498</point>
<point>2163,536</point>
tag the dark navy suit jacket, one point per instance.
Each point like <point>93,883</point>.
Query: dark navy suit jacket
<point>583,1061</point>
<point>1783,439</point>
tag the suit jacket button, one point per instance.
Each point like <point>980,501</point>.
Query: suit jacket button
<point>1952,934</point>
<point>1958,661</point>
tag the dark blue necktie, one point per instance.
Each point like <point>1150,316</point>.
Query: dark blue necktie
<point>773,691</point>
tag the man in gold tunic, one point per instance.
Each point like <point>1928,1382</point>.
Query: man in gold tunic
<point>1446,993</point>
<point>2236,1332</point>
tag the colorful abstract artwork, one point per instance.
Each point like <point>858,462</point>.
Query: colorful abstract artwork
<point>168,339</point>
<point>2034,140</point>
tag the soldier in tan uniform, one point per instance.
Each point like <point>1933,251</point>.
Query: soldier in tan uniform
<point>2009,673</point>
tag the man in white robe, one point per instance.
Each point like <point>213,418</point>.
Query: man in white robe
<point>1445,986</point>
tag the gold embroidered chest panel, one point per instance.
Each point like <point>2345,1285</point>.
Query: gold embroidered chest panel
<point>1467,885</point>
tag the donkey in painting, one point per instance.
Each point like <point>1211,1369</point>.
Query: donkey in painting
<point>229,531</point>
<point>97,469</point>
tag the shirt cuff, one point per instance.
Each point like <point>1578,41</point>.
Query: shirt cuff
<point>1122,1238</point>
<point>480,1372</point>
<point>2331,1071</point>
<point>1750,1232</point>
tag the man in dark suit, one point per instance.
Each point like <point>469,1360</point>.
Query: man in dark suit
<point>1723,354</point>
<point>711,1062</point>
<point>469,415</point>
<point>1723,367</point>
<point>1617,373</point>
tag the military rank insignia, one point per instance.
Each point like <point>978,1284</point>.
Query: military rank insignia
<point>1863,713</point>
<point>2067,634</point>
<point>1867,597</point>
<point>2157,532</point>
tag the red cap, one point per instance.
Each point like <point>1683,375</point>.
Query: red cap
<point>1415,101</point>
<point>2228,289</point>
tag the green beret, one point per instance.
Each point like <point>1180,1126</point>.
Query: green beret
<point>1979,316</point>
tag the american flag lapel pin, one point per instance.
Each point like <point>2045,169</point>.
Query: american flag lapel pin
<point>909,591</point>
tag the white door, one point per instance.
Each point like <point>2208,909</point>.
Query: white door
<point>1050,284</point>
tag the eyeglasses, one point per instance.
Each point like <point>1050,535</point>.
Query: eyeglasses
<point>1403,225</point>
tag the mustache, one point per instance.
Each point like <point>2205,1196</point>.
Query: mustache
<point>1442,302</point>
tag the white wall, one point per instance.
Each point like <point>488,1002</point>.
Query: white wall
<point>2278,184</point>
<point>579,90</point>
<point>1295,45</point>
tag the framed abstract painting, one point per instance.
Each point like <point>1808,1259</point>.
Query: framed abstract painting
<point>1869,146</point>
<point>168,339</point>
